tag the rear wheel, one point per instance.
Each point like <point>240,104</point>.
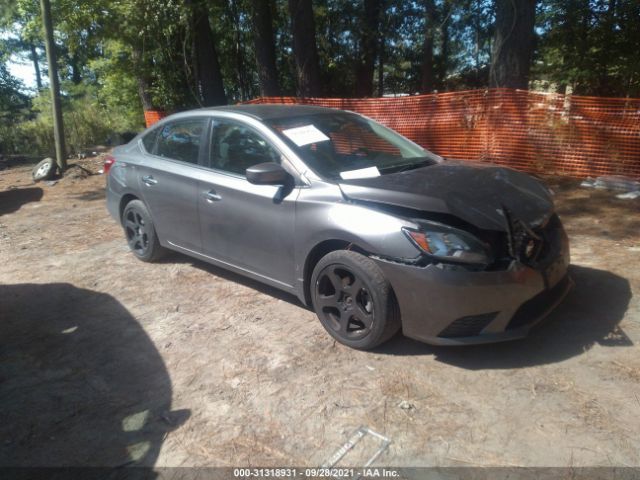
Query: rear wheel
<point>140,232</point>
<point>353,300</point>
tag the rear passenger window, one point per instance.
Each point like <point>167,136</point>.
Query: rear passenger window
<point>180,140</point>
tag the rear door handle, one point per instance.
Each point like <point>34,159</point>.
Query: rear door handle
<point>212,196</point>
<point>149,180</point>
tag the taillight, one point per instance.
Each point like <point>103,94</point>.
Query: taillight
<point>108,163</point>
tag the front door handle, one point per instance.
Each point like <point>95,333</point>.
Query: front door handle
<point>212,196</point>
<point>148,180</point>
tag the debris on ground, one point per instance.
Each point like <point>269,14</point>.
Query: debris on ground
<point>404,405</point>
<point>629,195</point>
<point>588,182</point>
<point>612,182</point>
<point>44,170</point>
<point>367,440</point>
<point>77,173</point>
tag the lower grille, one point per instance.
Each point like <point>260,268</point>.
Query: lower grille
<point>533,309</point>
<point>468,326</point>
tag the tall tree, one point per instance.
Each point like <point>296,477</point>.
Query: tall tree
<point>428,80</point>
<point>304,47</point>
<point>382,35</point>
<point>58,127</point>
<point>368,48</point>
<point>238,53</point>
<point>513,43</point>
<point>208,76</point>
<point>143,77</point>
<point>36,65</point>
<point>445,42</point>
<point>265,47</point>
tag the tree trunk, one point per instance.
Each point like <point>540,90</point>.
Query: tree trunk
<point>36,65</point>
<point>54,86</point>
<point>142,78</point>
<point>477,34</point>
<point>366,64</point>
<point>76,76</point>
<point>265,48</point>
<point>304,47</point>
<point>209,84</point>
<point>427,83</point>
<point>381,64</point>
<point>513,43</point>
<point>241,71</point>
<point>608,25</point>
<point>443,65</point>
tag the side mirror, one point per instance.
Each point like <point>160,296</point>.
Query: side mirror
<point>268,173</point>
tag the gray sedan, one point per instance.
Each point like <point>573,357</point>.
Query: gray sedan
<point>371,230</point>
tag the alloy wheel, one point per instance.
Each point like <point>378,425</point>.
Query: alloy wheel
<point>344,302</point>
<point>136,231</point>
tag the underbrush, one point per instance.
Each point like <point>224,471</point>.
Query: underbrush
<point>87,122</point>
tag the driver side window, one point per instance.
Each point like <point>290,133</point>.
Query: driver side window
<point>235,147</point>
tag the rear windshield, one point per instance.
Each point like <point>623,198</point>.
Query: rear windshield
<point>344,145</point>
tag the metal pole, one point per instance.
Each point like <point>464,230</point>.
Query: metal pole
<point>54,85</point>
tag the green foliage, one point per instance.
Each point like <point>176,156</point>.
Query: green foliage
<point>111,50</point>
<point>591,46</point>
<point>14,106</point>
<point>114,87</point>
<point>88,122</point>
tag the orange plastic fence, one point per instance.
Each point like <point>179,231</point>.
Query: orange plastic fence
<point>531,131</point>
<point>153,116</point>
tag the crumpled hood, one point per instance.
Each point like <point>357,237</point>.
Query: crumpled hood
<point>473,192</point>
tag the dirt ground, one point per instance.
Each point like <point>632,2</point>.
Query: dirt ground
<point>105,360</point>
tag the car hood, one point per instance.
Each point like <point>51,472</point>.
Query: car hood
<point>473,192</point>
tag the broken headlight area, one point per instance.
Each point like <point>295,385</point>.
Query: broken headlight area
<point>534,246</point>
<point>442,243</point>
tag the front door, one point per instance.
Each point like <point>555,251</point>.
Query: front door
<point>245,225</point>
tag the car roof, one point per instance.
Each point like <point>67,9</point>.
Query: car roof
<point>273,111</point>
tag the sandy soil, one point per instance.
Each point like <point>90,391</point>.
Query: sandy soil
<point>105,360</point>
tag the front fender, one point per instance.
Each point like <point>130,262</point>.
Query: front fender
<point>375,232</point>
<point>323,215</point>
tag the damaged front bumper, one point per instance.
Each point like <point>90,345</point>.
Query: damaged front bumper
<point>444,305</point>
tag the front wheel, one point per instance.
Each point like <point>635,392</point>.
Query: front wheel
<point>353,300</point>
<point>140,232</point>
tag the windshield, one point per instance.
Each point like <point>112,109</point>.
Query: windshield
<point>347,146</point>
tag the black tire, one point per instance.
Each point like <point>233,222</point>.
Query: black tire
<point>44,170</point>
<point>353,300</point>
<point>140,232</point>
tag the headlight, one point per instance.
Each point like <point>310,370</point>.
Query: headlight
<point>449,244</point>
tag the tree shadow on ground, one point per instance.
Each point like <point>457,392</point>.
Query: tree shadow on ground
<point>81,383</point>
<point>12,200</point>
<point>589,315</point>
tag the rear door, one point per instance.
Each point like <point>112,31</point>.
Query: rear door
<point>168,179</point>
<point>245,225</point>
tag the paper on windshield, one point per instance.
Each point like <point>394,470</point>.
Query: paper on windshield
<point>302,136</point>
<point>360,173</point>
